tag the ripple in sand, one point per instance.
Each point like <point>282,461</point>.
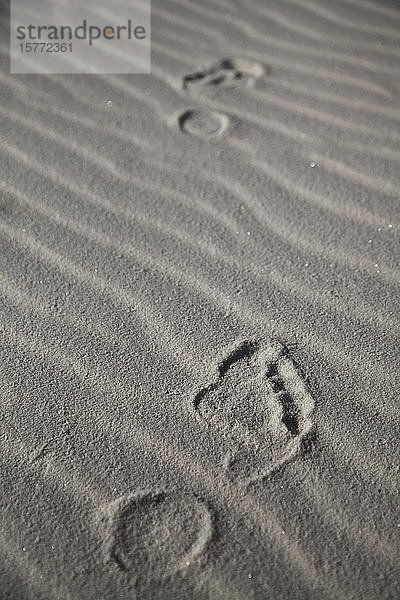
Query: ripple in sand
<point>203,123</point>
<point>227,73</point>
<point>156,534</point>
<point>259,400</point>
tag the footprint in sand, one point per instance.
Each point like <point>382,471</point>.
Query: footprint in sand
<point>203,123</point>
<point>259,401</point>
<point>152,535</point>
<point>226,73</point>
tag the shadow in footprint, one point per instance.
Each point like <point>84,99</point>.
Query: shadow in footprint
<point>203,123</point>
<point>259,401</point>
<point>152,535</point>
<point>226,73</point>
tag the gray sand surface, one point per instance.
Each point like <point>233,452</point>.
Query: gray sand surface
<point>199,339</point>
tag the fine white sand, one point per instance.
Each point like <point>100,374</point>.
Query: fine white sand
<point>199,372</point>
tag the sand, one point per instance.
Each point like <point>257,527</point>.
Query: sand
<point>199,372</point>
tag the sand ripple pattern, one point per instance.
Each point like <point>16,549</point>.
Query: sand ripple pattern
<point>247,190</point>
